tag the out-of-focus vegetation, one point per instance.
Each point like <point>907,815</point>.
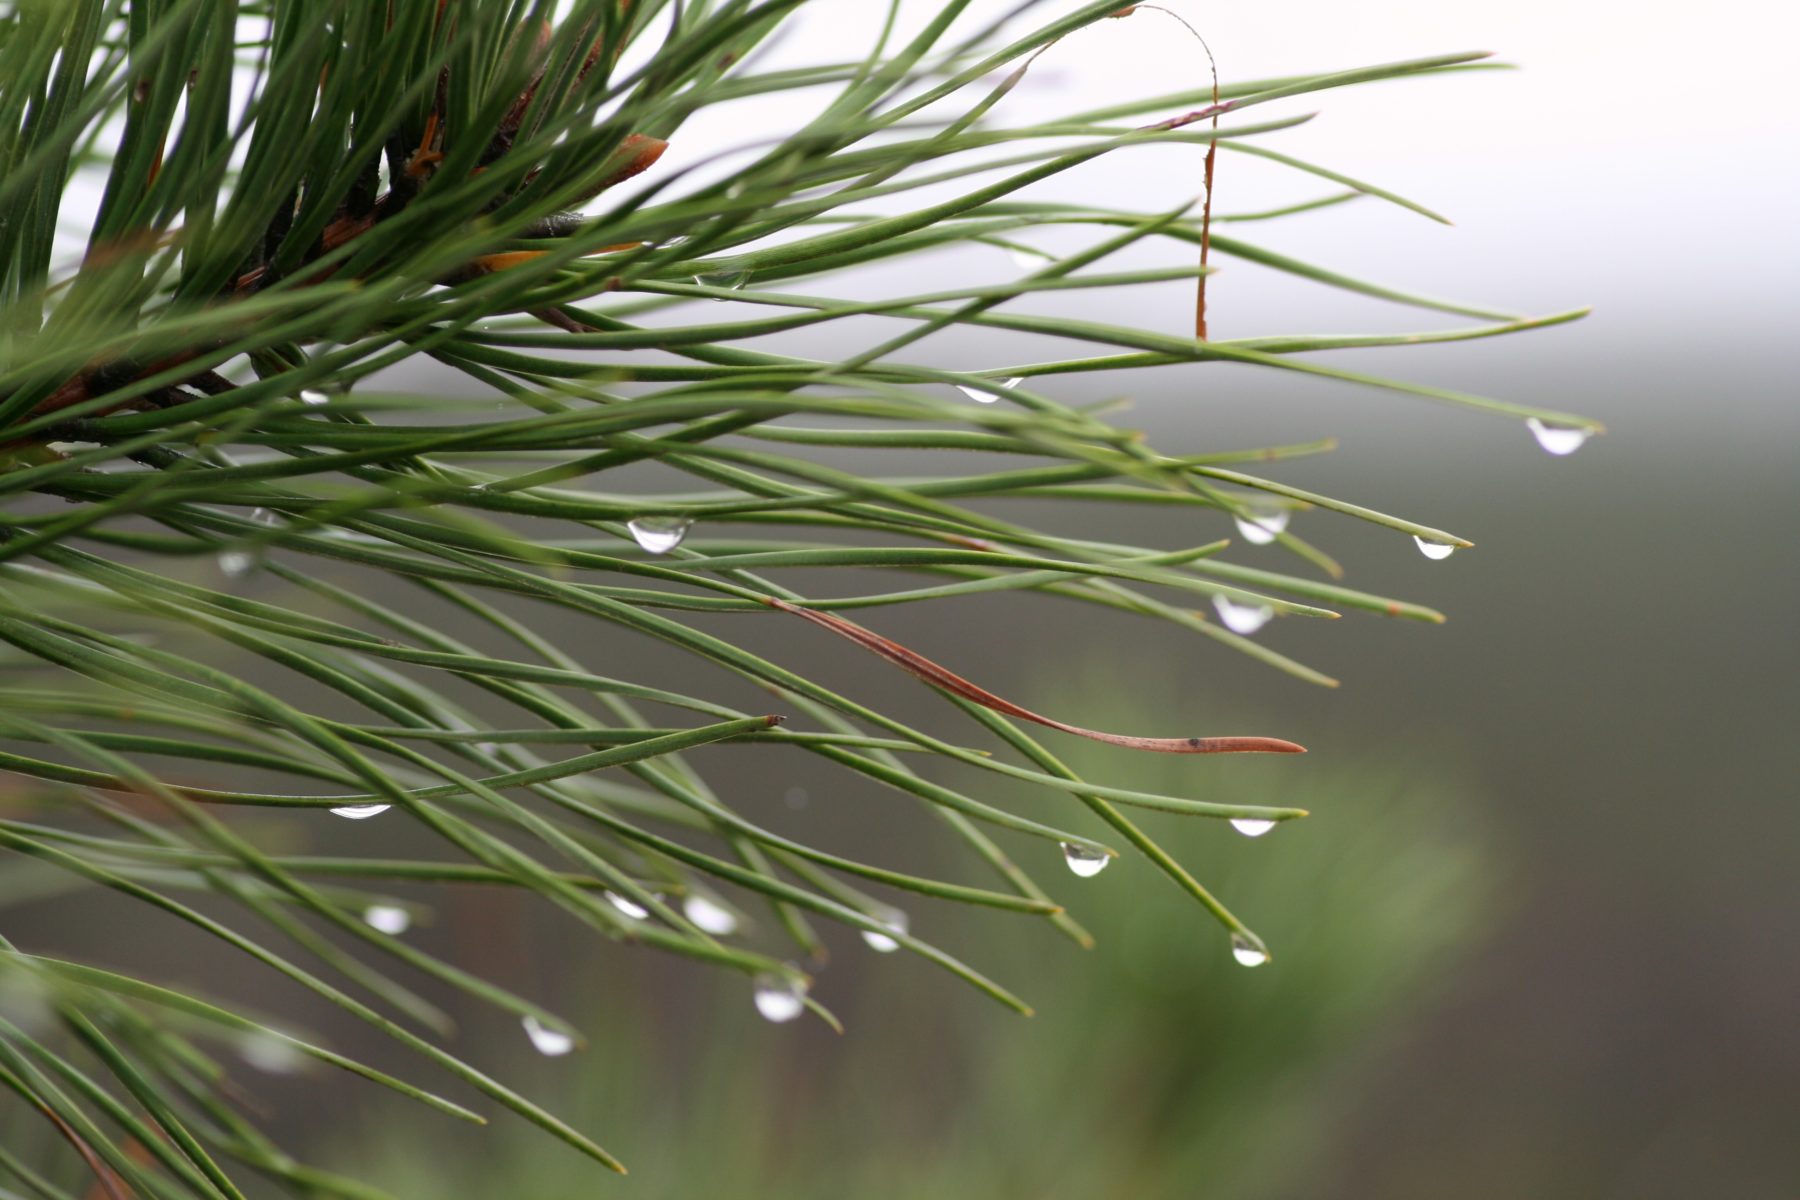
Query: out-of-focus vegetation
<point>1156,1067</point>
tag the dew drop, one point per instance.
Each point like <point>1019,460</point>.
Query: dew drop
<point>235,564</point>
<point>1263,527</point>
<point>1434,550</point>
<point>360,812</point>
<point>551,1043</point>
<point>388,918</point>
<point>272,1054</point>
<point>1557,439</point>
<point>882,943</point>
<point>1247,952</point>
<point>984,396</point>
<point>658,535</point>
<point>709,916</point>
<point>630,908</point>
<point>1084,862</point>
<point>1251,826</point>
<point>1242,618</point>
<point>779,998</point>
<point>1028,260</point>
<point>723,279</point>
<point>313,398</point>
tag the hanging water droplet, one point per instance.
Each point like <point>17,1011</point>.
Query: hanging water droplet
<point>314,398</point>
<point>658,535</point>
<point>895,920</point>
<point>388,918</point>
<point>1027,260</point>
<point>779,998</point>
<point>1247,952</point>
<point>1557,439</point>
<point>1251,826</point>
<point>551,1043</point>
<point>1242,618</point>
<point>630,908</point>
<point>1083,861</point>
<point>359,812</point>
<point>734,280</point>
<point>1261,528</point>
<point>275,1055</point>
<point>709,916</point>
<point>235,564</point>
<point>1434,550</point>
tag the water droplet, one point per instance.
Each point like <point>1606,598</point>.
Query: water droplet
<point>1557,439</point>
<point>235,564</point>
<point>658,535</point>
<point>360,812</point>
<point>272,1054</point>
<point>388,918</point>
<point>881,943</point>
<point>1242,618</point>
<point>1259,529</point>
<point>1084,862</point>
<point>1251,826</point>
<point>314,398</point>
<point>630,908</point>
<point>723,279</point>
<point>709,916</point>
<point>1247,952</point>
<point>1028,260</point>
<point>551,1043</point>
<point>779,998</point>
<point>982,395</point>
<point>1434,550</point>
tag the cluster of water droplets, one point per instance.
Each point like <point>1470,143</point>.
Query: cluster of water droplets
<point>983,396</point>
<point>658,535</point>
<point>896,921</point>
<point>1245,619</point>
<point>1084,861</point>
<point>551,1043</point>
<point>359,812</point>
<point>778,997</point>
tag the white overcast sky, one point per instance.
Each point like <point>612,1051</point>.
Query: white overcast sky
<point>1646,158</point>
